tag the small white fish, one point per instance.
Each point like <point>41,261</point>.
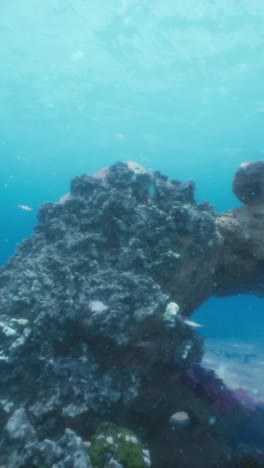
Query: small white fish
<point>25,207</point>
<point>192,324</point>
<point>97,306</point>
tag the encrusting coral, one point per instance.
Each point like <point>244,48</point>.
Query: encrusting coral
<point>94,311</point>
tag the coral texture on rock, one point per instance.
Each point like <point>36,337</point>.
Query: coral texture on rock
<point>92,316</point>
<point>241,265</point>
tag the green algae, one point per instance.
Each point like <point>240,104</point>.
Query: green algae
<point>115,442</point>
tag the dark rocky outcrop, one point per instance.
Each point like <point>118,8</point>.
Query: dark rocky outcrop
<point>241,262</point>
<point>93,310</point>
<point>248,182</point>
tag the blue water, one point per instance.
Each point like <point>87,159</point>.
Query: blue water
<point>176,86</point>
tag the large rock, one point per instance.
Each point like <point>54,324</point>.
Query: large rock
<point>241,262</point>
<point>94,309</point>
<point>248,182</point>
<point>25,451</point>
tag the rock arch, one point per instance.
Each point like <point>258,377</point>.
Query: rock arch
<point>94,305</point>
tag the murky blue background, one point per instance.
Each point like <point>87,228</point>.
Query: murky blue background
<point>175,85</point>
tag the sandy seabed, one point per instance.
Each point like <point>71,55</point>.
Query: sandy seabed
<point>239,364</point>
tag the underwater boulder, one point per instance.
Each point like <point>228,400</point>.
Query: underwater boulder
<point>93,304</point>
<point>240,269</point>
<point>248,182</point>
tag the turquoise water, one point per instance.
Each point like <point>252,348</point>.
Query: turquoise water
<point>176,86</point>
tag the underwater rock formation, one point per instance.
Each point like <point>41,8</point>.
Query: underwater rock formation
<point>19,437</point>
<point>92,317</point>
<point>248,182</point>
<point>241,264</point>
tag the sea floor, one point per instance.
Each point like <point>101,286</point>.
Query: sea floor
<point>238,364</point>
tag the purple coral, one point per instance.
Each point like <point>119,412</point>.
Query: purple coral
<point>245,417</point>
<point>207,385</point>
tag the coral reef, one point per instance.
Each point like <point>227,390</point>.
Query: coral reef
<point>93,327</point>
<point>24,450</point>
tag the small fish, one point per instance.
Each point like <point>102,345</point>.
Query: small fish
<point>192,324</point>
<point>25,207</point>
